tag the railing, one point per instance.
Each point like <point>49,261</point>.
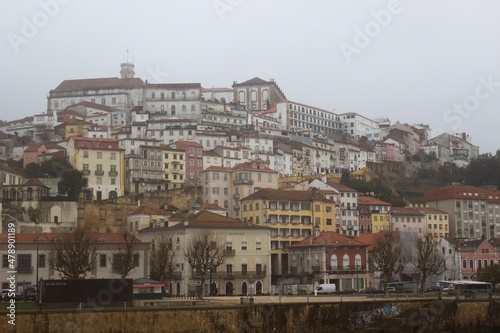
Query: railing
<point>99,172</point>
<point>86,172</point>
<point>234,274</point>
<point>243,182</point>
<point>113,173</point>
<point>24,269</point>
<point>228,252</point>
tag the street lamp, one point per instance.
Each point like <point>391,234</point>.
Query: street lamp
<point>357,277</point>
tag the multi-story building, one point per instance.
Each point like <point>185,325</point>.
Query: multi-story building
<point>453,263</point>
<point>232,156</point>
<point>211,158</point>
<point>226,186</point>
<point>459,147</point>
<point>329,257</point>
<point>145,168</point>
<point>146,217</point>
<point>348,222</point>
<point>421,220</point>
<point>174,165</point>
<point>193,157</point>
<point>246,267</point>
<point>121,93</point>
<point>257,94</point>
<point>474,255</point>
<point>180,100</point>
<point>102,161</point>
<point>473,211</point>
<point>357,125</point>
<point>291,214</point>
<point>33,252</point>
<point>298,117</point>
<point>169,131</point>
<point>373,215</point>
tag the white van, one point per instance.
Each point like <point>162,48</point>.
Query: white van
<point>326,288</point>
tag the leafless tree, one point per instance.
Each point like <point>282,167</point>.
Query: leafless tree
<point>161,262</point>
<point>125,259</point>
<point>73,254</point>
<point>428,259</point>
<point>204,253</point>
<point>388,255</point>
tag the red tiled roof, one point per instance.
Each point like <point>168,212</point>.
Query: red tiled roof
<point>406,211</point>
<point>99,83</point>
<point>372,201</point>
<point>35,182</point>
<point>145,210</point>
<point>339,187</point>
<point>371,239</point>
<point>286,195</point>
<point>329,238</point>
<point>461,192</point>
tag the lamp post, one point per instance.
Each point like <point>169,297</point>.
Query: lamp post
<point>37,261</point>
<point>357,277</point>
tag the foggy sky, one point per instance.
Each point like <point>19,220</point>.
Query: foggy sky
<point>431,62</point>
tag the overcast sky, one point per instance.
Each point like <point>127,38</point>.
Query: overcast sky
<point>431,62</point>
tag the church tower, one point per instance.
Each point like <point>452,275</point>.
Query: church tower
<point>127,70</point>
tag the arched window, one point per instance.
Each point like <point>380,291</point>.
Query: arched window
<point>333,262</point>
<point>345,261</point>
<point>193,108</point>
<point>216,202</point>
<point>254,96</point>
<point>242,97</point>
<point>357,261</point>
<point>265,95</point>
<point>226,204</point>
<point>172,109</point>
<point>173,95</point>
<point>183,108</point>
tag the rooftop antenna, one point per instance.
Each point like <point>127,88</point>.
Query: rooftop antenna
<point>127,54</point>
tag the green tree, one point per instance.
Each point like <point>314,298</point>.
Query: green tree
<point>72,183</point>
<point>33,170</point>
<point>485,170</point>
<point>490,274</point>
<point>34,214</point>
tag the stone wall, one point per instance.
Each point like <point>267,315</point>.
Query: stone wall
<point>416,316</point>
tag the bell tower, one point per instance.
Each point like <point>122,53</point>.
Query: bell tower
<point>127,69</point>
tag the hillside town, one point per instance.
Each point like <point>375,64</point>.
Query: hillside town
<point>255,175</point>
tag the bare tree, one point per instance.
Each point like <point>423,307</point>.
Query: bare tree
<point>204,253</point>
<point>73,253</point>
<point>428,259</point>
<point>388,255</point>
<point>125,259</point>
<point>161,262</point>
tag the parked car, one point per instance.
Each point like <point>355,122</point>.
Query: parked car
<point>434,289</point>
<point>347,291</point>
<point>372,291</point>
<point>5,295</point>
<point>391,289</point>
<point>29,294</point>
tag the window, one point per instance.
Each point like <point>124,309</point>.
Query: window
<point>112,156</point>
<point>464,263</point>
<point>103,260</point>
<point>85,154</point>
<point>471,264</point>
<point>244,244</point>
<point>229,268</point>
<point>345,261</point>
<point>136,259</point>
<point>258,244</point>
<point>41,260</point>
<point>244,269</point>
<point>333,262</point>
<point>99,155</point>
<point>24,263</point>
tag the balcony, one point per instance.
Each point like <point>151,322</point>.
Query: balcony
<point>176,275</point>
<point>99,172</point>
<point>234,274</point>
<point>243,182</point>
<point>113,173</point>
<point>86,172</point>
<point>236,196</point>
<point>24,269</point>
<point>229,252</point>
<point>236,207</point>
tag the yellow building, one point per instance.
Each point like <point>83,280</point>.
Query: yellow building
<point>292,217</point>
<point>102,162</point>
<point>174,166</point>
<point>373,214</point>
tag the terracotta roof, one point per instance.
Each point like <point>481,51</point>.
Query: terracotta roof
<point>339,187</point>
<point>35,182</point>
<point>216,89</point>
<point>406,211</point>
<point>210,153</point>
<point>372,201</point>
<point>253,82</point>
<point>98,143</point>
<point>99,83</point>
<point>51,237</point>
<point>429,210</point>
<point>467,245</point>
<point>188,144</point>
<point>207,220</point>
<point>174,85</point>
<point>32,147</point>
<point>371,239</point>
<point>145,210</point>
<point>252,166</point>
<point>286,195</point>
<point>461,192</point>
<point>328,238</point>
<point>216,168</point>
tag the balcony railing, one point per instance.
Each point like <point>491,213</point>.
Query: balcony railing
<point>113,173</point>
<point>243,182</point>
<point>24,269</point>
<point>99,172</point>
<point>86,172</point>
<point>228,252</point>
<point>235,274</point>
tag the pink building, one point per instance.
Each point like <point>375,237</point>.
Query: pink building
<point>474,255</point>
<point>194,161</point>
